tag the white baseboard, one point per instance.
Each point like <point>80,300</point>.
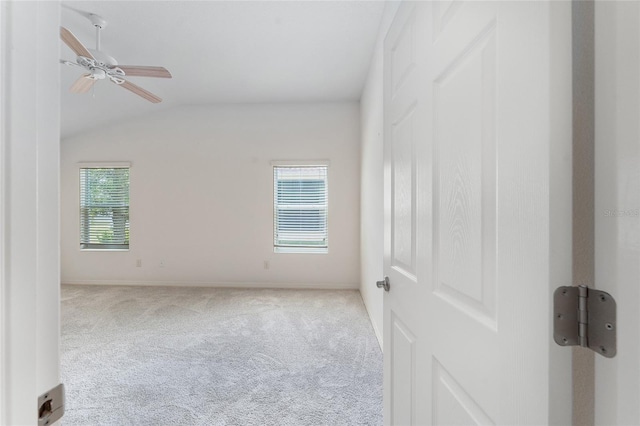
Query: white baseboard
<point>378,334</point>
<point>373,324</point>
<point>314,286</point>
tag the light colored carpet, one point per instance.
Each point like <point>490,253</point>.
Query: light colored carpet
<point>201,356</point>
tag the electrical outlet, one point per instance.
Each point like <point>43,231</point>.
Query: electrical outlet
<point>139,263</point>
<point>266,264</point>
<point>161,264</point>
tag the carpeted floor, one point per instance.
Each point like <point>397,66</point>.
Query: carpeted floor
<point>202,356</point>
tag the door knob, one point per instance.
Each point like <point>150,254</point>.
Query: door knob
<point>384,284</point>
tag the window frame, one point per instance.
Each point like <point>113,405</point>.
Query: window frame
<point>101,247</point>
<point>300,164</point>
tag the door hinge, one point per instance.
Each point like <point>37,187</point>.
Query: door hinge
<point>585,317</point>
<point>51,406</point>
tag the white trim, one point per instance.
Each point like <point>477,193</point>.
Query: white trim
<point>30,168</point>
<point>223,284</point>
<point>326,163</point>
<point>3,141</point>
<point>373,324</point>
<point>105,250</point>
<point>301,250</point>
<point>104,165</point>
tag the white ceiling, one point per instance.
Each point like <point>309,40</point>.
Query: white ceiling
<point>222,52</point>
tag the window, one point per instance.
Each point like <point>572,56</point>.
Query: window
<point>104,208</point>
<point>300,209</point>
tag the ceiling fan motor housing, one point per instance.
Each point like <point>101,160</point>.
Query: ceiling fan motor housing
<point>103,59</point>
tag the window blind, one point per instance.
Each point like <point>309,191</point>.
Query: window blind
<point>104,208</point>
<point>300,207</point>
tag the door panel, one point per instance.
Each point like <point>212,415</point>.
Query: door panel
<point>403,207</point>
<point>403,55</point>
<point>464,179</point>
<point>468,244</point>
<point>402,151</point>
<point>452,405</point>
<point>403,362</point>
<point>403,123</point>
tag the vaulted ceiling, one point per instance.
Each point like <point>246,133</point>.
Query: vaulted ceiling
<point>221,52</point>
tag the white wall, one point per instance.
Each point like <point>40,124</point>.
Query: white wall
<point>201,196</point>
<point>372,200</point>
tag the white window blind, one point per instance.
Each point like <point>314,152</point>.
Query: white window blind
<point>300,208</point>
<point>104,208</point>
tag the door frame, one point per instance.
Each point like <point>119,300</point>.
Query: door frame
<point>3,112</point>
<point>617,200</point>
<point>29,206</point>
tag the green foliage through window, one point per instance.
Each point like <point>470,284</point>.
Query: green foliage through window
<point>104,208</point>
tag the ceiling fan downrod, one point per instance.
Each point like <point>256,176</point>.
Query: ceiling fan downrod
<point>99,22</point>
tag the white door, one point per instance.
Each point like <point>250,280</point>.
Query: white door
<point>477,212</point>
<point>29,219</point>
<point>617,203</point>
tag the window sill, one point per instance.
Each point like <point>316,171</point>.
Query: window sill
<point>301,250</point>
<point>103,249</point>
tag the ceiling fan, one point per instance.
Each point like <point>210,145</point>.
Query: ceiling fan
<point>100,66</point>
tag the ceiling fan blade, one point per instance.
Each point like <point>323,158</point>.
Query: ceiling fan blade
<point>74,44</point>
<point>83,84</point>
<point>140,92</point>
<point>140,71</point>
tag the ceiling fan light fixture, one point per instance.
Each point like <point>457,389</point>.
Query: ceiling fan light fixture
<point>98,74</point>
